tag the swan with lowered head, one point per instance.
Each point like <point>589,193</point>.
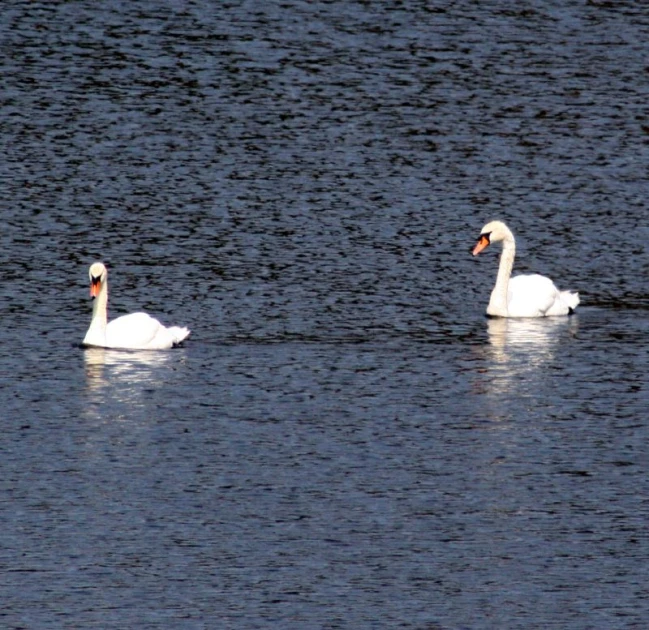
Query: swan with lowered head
<point>525,295</point>
<point>137,331</point>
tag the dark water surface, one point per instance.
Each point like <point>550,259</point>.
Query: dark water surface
<point>344,441</point>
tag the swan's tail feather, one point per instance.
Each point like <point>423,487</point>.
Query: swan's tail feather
<point>179,333</point>
<point>570,299</point>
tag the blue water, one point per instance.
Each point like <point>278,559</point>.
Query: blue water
<point>345,441</point>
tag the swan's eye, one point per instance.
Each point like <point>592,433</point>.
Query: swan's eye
<point>486,236</point>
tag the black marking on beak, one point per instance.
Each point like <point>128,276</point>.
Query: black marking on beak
<point>485,235</point>
<point>94,281</point>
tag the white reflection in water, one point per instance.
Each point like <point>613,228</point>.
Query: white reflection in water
<point>123,377</point>
<point>522,351</point>
<point>535,339</point>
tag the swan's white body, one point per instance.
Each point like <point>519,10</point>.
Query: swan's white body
<point>137,331</point>
<point>525,295</point>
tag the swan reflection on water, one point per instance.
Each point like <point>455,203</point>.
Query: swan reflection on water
<point>137,366</point>
<point>534,339</point>
<point>123,376</point>
<point>520,351</point>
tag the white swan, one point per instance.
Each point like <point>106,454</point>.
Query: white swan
<point>137,331</point>
<point>525,295</point>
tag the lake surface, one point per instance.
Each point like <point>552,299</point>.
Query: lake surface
<point>345,440</point>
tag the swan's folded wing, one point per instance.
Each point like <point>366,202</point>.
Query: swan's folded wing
<point>136,331</point>
<point>531,295</point>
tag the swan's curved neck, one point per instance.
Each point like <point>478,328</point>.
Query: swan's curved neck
<point>498,302</point>
<point>96,335</point>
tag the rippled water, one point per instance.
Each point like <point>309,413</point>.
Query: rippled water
<point>345,441</point>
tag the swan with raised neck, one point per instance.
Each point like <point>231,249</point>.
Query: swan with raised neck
<point>137,331</point>
<point>524,295</point>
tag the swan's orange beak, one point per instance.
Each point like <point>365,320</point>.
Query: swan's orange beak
<point>95,285</point>
<point>483,243</point>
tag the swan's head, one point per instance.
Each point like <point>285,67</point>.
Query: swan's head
<point>493,232</point>
<point>97,274</point>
